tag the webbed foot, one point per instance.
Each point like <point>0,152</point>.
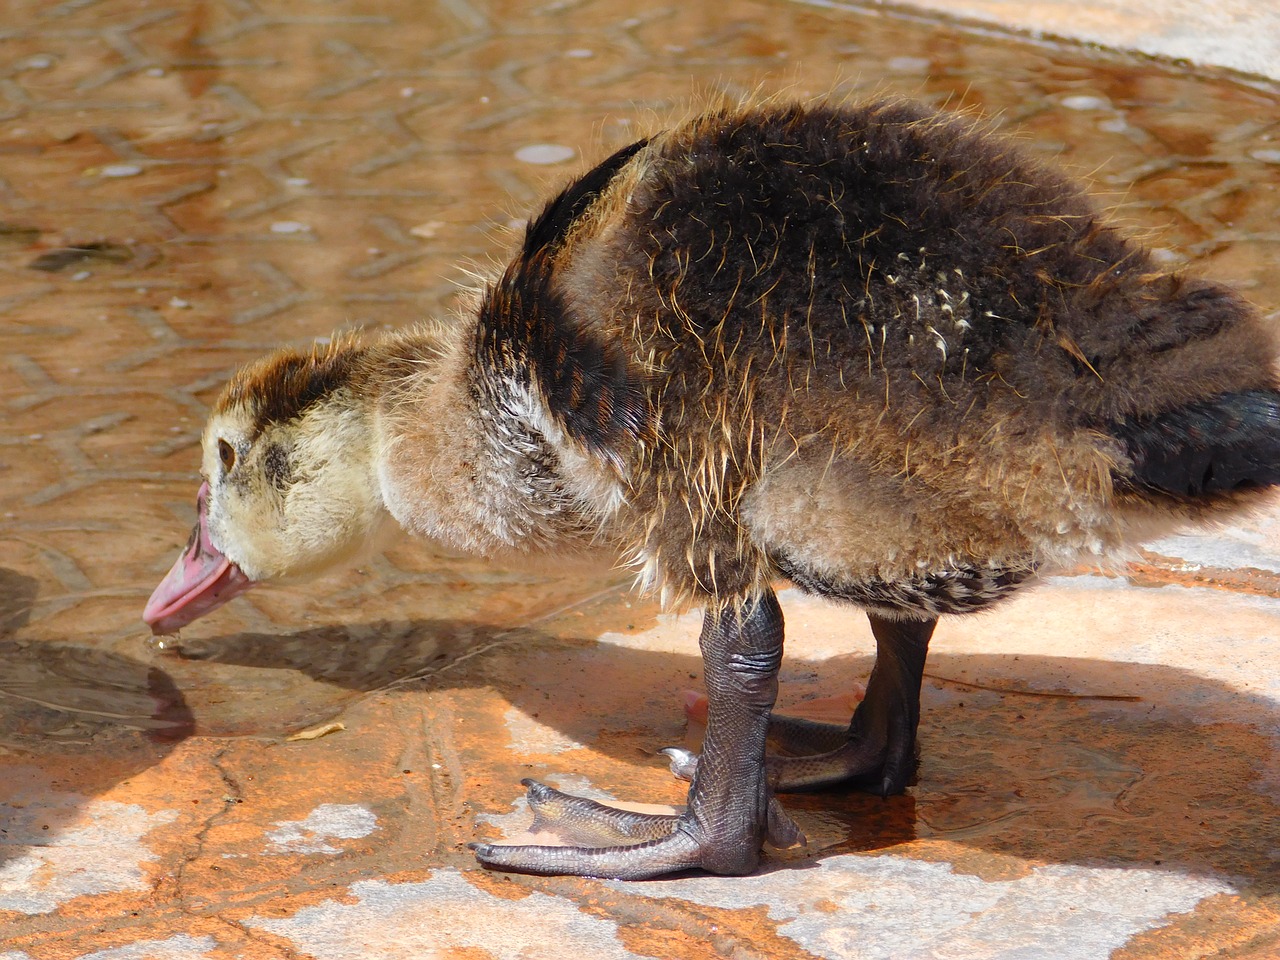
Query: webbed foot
<point>606,841</point>
<point>731,809</point>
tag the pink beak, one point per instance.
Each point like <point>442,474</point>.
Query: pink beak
<point>201,580</point>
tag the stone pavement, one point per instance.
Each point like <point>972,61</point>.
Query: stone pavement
<point>185,185</point>
<point>1239,35</point>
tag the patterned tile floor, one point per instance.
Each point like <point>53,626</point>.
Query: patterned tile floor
<point>185,185</point>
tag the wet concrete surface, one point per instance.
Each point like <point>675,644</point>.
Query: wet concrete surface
<point>1237,35</point>
<point>186,186</point>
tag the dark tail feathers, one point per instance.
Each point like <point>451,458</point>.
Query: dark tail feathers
<point>1231,442</point>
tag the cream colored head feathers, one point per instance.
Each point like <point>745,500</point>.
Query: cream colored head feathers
<point>289,456</point>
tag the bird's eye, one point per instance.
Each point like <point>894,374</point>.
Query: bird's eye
<point>227,453</point>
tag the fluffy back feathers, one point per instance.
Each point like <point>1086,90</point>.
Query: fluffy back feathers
<point>527,331</point>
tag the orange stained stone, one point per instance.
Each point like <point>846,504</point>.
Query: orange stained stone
<point>188,186</point>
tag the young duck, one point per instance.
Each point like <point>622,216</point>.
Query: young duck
<point>873,350</point>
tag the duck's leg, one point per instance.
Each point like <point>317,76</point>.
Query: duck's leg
<point>877,749</point>
<point>730,812</point>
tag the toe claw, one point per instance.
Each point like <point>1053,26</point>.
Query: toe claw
<point>684,763</point>
<point>537,793</point>
<point>782,831</point>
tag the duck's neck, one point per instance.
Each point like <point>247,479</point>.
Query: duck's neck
<point>465,461</point>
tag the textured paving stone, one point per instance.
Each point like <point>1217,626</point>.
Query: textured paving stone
<point>1236,34</point>
<point>186,185</point>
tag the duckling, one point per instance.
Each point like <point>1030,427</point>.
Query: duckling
<point>872,349</point>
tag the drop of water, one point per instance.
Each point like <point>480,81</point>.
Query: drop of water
<point>165,642</point>
<point>545,153</point>
<point>1085,102</point>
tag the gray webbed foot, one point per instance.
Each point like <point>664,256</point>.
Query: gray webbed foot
<point>610,842</point>
<point>731,809</point>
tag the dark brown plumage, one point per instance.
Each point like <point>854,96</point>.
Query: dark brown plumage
<point>884,278</point>
<point>873,349</point>
<point>885,314</point>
